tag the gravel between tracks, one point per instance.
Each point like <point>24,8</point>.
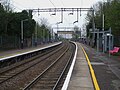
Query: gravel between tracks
<point>24,78</point>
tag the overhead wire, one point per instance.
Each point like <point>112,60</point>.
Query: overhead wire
<point>64,6</point>
<point>35,2</point>
<point>16,7</point>
<point>62,2</point>
<point>52,3</point>
<point>12,6</point>
<point>20,8</point>
<point>17,4</point>
<point>38,9</point>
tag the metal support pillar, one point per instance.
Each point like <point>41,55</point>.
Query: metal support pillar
<point>22,34</point>
<point>93,26</point>
<point>61,15</point>
<point>97,40</point>
<point>103,34</point>
<point>36,35</point>
<point>109,44</point>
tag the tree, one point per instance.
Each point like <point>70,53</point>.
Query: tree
<point>6,5</point>
<point>111,12</point>
<point>112,16</point>
<point>77,32</point>
<point>10,24</point>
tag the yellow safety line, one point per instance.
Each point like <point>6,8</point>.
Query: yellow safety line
<point>92,71</point>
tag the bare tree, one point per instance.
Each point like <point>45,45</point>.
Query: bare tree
<point>44,21</point>
<point>6,4</point>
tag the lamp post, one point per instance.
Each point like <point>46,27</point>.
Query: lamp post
<point>103,17</point>
<point>57,25</point>
<point>103,25</point>
<point>77,18</point>
<point>22,32</point>
<point>36,34</point>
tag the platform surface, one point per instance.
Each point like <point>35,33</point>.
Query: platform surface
<point>81,78</point>
<point>4,54</point>
<point>106,68</point>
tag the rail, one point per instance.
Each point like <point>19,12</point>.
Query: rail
<point>25,55</point>
<point>32,83</point>
<point>65,85</point>
<point>9,76</point>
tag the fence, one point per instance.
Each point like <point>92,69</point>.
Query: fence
<point>117,41</point>
<point>8,42</point>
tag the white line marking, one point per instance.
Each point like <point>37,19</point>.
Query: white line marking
<point>67,80</point>
<point>1,59</point>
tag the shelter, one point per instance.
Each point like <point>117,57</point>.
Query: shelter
<point>103,40</point>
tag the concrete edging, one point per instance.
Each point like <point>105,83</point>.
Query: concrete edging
<point>91,71</point>
<point>8,57</point>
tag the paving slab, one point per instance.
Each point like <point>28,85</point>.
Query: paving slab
<point>81,78</point>
<point>107,69</point>
<point>18,51</point>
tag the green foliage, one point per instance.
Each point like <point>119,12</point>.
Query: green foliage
<point>111,11</point>
<point>43,31</point>
<point>10,26</point>
<point>77,33</point>
<point>10,23</point>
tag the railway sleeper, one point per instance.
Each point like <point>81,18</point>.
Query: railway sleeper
<point>49,82</point>
<point>41,87</point>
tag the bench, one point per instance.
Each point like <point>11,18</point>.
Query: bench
<point>115,50</point>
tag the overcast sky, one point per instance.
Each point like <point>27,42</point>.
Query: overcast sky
<point>68,20</point>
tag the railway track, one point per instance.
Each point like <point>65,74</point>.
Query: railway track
<point>16,69</point>
<point>51,77</point>
<point>15,75</point>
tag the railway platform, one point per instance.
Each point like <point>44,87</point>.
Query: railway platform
<point>91,70</point>
<point>95,70</point>
<point>4,54</point>
<point>106,68</point>
<point>81,78</point>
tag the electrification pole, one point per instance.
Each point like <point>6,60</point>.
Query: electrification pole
<point>22,38</point>
<point>36,35</point>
